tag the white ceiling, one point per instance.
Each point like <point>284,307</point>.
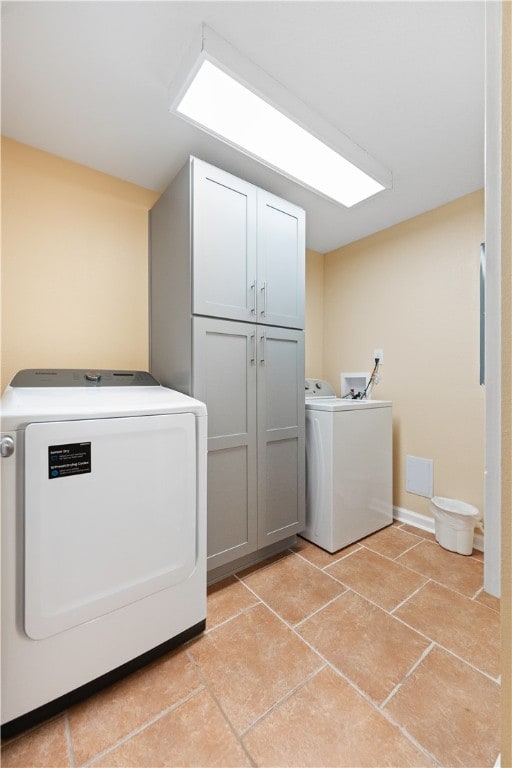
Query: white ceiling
<point>405,80</point>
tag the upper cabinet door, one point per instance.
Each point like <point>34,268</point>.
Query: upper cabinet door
<point>281,262</point>
<point>223,244</point>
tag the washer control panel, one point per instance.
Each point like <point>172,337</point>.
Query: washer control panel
<point>319,388</point>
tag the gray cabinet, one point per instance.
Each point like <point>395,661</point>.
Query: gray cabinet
<point>248,251</point>
<point>225,370</point>
<point>223,244</point>
<point>280,406</point>
<point>226,319</point>
<point>280,262</point>
<point>251,378</point>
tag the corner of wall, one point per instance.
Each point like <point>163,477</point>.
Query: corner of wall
<point>314,314</point>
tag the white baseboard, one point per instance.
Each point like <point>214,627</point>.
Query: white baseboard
<point>427,524</point>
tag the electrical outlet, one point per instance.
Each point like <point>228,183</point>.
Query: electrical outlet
<point>378,354</point>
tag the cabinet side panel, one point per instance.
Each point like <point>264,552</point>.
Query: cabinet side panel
<point>170,291</point>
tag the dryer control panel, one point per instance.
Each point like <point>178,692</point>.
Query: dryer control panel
<point>71,377</point>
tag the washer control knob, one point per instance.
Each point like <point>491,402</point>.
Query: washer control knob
<point>7,446</point>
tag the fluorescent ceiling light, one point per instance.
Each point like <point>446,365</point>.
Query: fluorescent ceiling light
<point>220,104</point>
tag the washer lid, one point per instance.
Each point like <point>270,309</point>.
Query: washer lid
<point>71,377</point>
<point>343,404</point>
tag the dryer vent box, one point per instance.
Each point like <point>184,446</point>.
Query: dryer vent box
<point>356,381</point>
<point>419,476</point>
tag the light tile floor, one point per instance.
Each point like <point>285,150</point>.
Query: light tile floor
<point>384,654</point>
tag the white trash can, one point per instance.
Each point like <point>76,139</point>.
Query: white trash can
<point>455,524</point>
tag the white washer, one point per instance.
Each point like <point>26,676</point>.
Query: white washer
<point>348,467</point>
<point>103,532</point>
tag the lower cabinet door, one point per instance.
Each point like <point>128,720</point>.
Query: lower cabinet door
<point>251,378</point>
<point>281,434</point>
<point>224,377</point>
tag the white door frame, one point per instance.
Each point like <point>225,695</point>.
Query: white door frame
<point>492,491</point>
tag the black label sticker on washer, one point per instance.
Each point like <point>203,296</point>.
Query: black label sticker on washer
<point>70,459</point>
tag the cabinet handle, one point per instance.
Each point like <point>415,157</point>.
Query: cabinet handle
<point>252,288</point>
<point>253,339</point>
<point>263,350</point>
<point>264,292</point>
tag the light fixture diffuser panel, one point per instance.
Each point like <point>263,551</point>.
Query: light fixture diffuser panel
<point>211,98</point>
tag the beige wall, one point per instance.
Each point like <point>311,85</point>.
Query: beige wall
<point>314,314</point>
<point>413,291</point>
<point>74,265</point>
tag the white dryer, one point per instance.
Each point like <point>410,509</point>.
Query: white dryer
<point>103,532</point>
<point>349,471</point>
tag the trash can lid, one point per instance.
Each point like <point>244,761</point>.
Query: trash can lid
<point>454,505</point>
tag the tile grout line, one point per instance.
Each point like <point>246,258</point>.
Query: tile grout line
<point>140,729</point>
<point>445,648</point>
<point>223,623</point>
<point>317,610</point>
<point>469,664</point>
<point>283,621</point>
<point>391,612</point>
<point>479,602</point>
<point>427,651</point>
<point>409,626</point>
<point>369,599</point>
<point>282,700</point>
<point>311,676</point>
<point>69,740</point>
<point>467,558</point>
<point>352,684</point>
<point>450,589</point>
<point>429,578</point>
<point>456,591</point>
<point>371,702</point>
<point>477,593</point>
<point>407,674</point>
<point>322,567</point>
<point>424,751</point>
<point>31,729</point>
<point>432,644</point>
<point>323,570</point>
<point>397,560</point>
<point>317,653</point>
<point>230,725</point>
<point>409,549</point>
